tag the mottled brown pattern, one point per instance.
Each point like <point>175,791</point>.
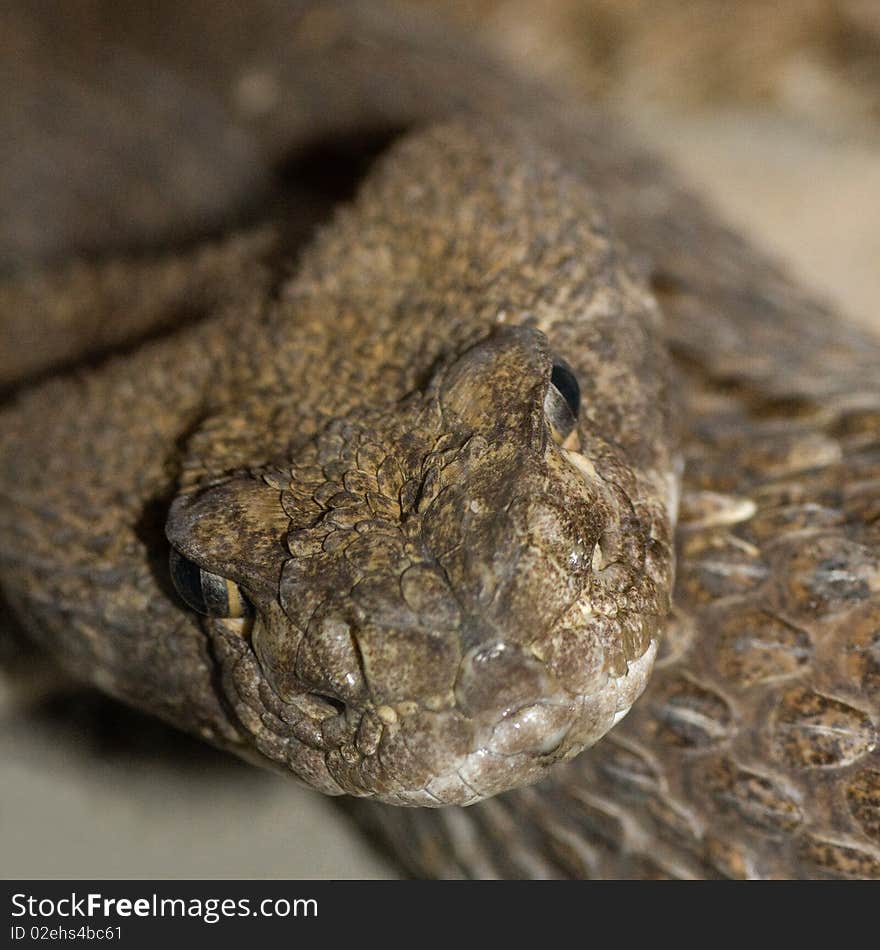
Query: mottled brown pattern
<point>447,602</point>
<point>754,752</point>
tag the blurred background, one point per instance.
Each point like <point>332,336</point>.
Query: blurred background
<point>772,109</point>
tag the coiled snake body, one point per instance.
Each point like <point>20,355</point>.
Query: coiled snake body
<point>421,478</point>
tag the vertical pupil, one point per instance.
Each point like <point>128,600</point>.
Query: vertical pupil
<point>567,385</point>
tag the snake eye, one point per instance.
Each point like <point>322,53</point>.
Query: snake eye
<point>563,401</point>
<point>207,593</point>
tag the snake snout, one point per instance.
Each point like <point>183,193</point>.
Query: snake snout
<point>518,703</point>
<point>499,677</point>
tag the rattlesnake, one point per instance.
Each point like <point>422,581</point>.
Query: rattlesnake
<point>423,474</point>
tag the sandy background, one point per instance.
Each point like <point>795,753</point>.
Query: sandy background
<point>88,789</point>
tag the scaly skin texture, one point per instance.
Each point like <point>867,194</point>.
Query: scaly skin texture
<point>448,601</point>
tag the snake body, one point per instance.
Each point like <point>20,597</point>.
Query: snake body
<point>433,588</point>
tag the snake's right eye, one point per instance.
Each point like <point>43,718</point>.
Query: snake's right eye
<point>207,593</point>
<point>563,401</point>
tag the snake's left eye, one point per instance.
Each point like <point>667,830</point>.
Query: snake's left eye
<point>563,401</point>
<point>207,593</point>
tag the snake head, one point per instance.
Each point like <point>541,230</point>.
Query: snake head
<point>433,602</point>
